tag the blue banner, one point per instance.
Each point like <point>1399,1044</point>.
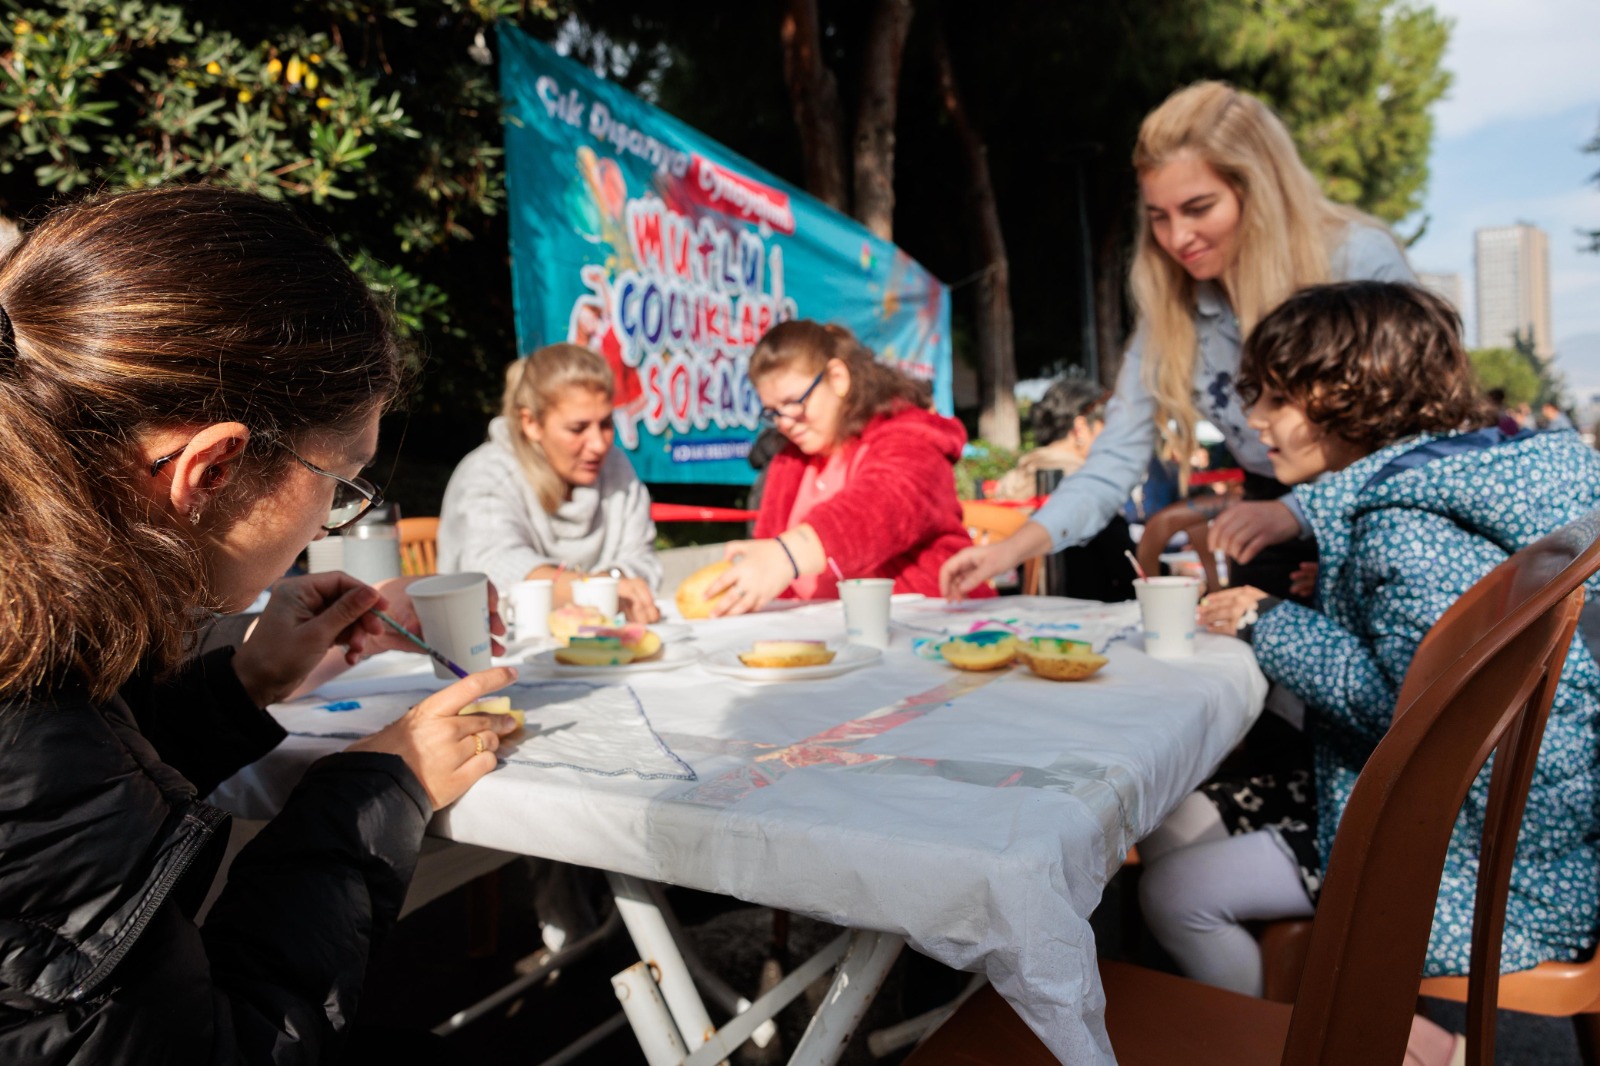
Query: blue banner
<point>670,255</point>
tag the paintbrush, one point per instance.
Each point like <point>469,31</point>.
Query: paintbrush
<point>433,653</point>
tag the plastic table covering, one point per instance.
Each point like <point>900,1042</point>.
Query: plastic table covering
<point>979,816</point>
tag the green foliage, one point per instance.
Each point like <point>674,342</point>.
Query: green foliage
<point>985,462</point>
<point>1354,80</point>
<point>1519,374</point>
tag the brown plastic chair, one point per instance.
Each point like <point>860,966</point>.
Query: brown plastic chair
<point>990,522</point>
<point>1482,682</point>
<point>1189,516</point>
<point>419,546</point>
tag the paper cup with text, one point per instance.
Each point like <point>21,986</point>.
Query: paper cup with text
<point>454,611</point>
<point>527,607</point>
<point>866,610</point>
<point>597,592</point>
<point>1168,606</point>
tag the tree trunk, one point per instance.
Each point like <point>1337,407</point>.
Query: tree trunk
<point>875,116</point>
<point>814,96</point>
<point>997,364</point>
<point>1111,278</point>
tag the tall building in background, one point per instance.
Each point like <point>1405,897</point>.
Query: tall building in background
<point>1513,267</point>
<point>1444,286</point>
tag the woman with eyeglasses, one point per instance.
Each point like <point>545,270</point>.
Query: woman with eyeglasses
<point>548,496</point>
<point>190,383</point>
<point>863,488</point>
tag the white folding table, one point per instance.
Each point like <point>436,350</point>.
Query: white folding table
<point>977,817</point>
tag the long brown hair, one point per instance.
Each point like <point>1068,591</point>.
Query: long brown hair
<point>126,314</point>
<point>536,384</point>
<point>875,388</point>
<point>1286,230</point>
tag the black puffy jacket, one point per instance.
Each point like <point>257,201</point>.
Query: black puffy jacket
<point>105,853</point>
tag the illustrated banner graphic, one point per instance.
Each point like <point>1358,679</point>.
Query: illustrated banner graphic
<point>640,238</point>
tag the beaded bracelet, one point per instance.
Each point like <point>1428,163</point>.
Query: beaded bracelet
<point>790,554</point>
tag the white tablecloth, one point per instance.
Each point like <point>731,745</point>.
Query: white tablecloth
<point>978,815</point>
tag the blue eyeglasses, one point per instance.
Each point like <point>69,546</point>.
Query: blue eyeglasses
<point>353,497</point>
<point>792,409</point>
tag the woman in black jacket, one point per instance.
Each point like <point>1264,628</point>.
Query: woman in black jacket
<point>190,383</point>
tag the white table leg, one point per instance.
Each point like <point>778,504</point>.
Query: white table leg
<point>648,1015</point>
<point>860,976</point>
<point>641,905</point>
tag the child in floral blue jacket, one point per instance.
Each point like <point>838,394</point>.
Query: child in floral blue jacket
<point>1366,400</point>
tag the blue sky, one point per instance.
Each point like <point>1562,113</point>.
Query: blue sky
<point>1508,145</point>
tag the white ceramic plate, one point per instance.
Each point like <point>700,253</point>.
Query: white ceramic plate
<point>850,657</point>
<point>671,631</point>
<point>674,656</point>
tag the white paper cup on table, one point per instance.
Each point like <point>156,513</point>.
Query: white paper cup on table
<point>527,607</point>
<point>1168,605</point>
<point>866,610</point>
<point>454,611</point>
<point>325,555</point>
<point>371,552</point>
<point>597,592</point>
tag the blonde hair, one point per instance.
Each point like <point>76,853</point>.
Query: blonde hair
<point>1286,229</point>
<point>536,384</point>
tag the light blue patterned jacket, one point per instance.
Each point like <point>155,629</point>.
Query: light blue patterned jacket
<point>1397,548</point>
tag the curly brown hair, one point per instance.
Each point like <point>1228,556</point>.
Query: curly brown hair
<point>875,388</point>
<point>1371,361</point>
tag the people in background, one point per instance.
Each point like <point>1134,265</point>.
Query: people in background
<point>1364,397</point>
<point>1234,223</point>
<point>190,385</point>
<point>865,485</point>
<point>548,495</point>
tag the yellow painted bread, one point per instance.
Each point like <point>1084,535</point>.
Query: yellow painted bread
<point>1060,660</point>
<point>986,650</point>
<point>640,640</point>
<point>496,705</point>
<point>691,596</point>
<point>786,654</point>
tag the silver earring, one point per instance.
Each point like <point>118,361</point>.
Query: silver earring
<point>194,516</point>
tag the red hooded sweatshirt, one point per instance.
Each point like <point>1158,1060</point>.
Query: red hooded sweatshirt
<point>897,515</point>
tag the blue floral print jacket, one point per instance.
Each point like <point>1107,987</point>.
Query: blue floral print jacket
<point>1402,533</point>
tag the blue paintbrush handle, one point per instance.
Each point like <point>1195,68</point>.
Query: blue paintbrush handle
<point>433,653</point>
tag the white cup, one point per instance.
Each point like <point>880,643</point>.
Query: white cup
<point>454,611</point>
<point>325,555</point>
<point>866,610</point>
<point>1168,605</point>
<point>371,552</point>
<point>527,607</point>
<point>597,592</point>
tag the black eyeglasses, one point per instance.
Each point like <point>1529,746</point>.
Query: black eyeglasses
<point>353,497</point>
<point>794,409</point>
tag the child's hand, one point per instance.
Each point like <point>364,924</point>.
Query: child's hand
<point>1223,612</point>
<point>1303,582</point>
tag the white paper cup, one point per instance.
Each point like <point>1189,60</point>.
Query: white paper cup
<point>1168,606</point>
<point>597,592</point>
<point>866,610</point>
<point>454,611</point>
<point>527,607</point>
<point>371,552</point>
<point>325,555</point>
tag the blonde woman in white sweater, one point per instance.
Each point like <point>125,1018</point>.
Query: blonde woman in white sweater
<point>548,496</point>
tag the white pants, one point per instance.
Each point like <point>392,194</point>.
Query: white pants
<point>1201,885</point>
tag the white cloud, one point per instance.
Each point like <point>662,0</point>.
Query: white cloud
<point>1516,60</point>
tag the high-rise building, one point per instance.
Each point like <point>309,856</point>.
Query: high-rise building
<point>1513,267</point>
<point>1444,286</point>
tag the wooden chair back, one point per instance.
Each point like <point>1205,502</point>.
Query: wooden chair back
<point>1481,683</point>
<point>990,522</point>
<point>419,546</point>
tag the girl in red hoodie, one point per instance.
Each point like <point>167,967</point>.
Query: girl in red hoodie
<point>864,487</point>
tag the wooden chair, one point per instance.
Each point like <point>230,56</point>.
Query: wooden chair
<point>419,546</point>
<point>989,522</point>
<point>1482,682</point>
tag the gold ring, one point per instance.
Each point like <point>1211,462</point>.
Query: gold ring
<point>477,741</point>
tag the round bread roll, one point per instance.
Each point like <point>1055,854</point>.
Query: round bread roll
<point>1060,660</point>
<point>691,597</point>
<point>985,650</point>
<point>782,654</point>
